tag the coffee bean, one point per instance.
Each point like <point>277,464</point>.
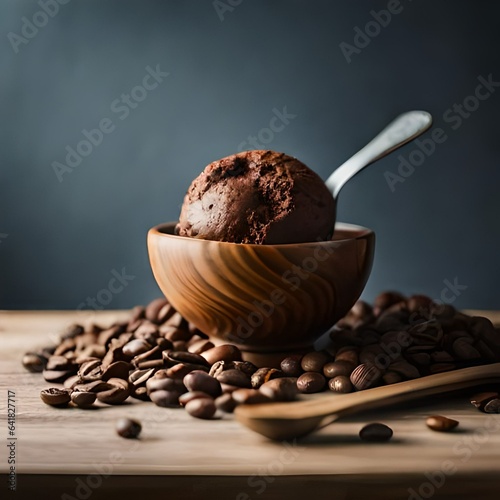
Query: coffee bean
<point>60,363</point>
<point>178,321</point>
<point>165,384</point>
<point>140,377</point>
<point>235,377</point>
<point>336,368</point>
<point>188,357</point>
<point>347,354</point>
<point>291,366</point>
<point>147,332</point>
<point>57,376</point>
<point>155,354</point>
<point>405,369</point>
<point>311,382</point>
<point>153,308</point>
<point>420,304</point>
<point>175,334</point>
<point>250,397</point>
<point>391,377</point>
<point>95,351</point>
<point>83,399</point>
<point>385,300</point>
<point>480,400</point>
<point>72,381</point>
<point>280,389</point>
<point>245,366</point>
<point>34,362</point>
<point>219,366</point>
<point>136,313</point>
<point>72,331</point>
<point>96,386</point>
<point>180,370</point>
<point>140,393</point>
<point>440,423</point>
<point>201,381</point>
<point>165,313</point>
<point>153,363</point>
<point>128,428</point>
<point>200,346</point>
<point>376,433</point>
<point>263,375</point>
<point>135,347</point>
<point>341,384</point>
<point>226,403</point>
<point>165,399</point>
<point>114,354</point>
<point>105,337</point>
<point>65,347</point>
<point>90,370</point>
<point>463,350</point>
<point>201,408</point>
<point>224,352</point>
<point>492,406</point>
<point>185,398</point>
<point>119,392</point>
<point>314,361</point>
<point>55,397</point>
<point>365,376</point>
<point>120,369</point>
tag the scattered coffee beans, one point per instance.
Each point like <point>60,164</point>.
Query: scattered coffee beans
<point>158,356</point>
<point>440,423</point>
<point>376,433</point>
<point>128,428</point>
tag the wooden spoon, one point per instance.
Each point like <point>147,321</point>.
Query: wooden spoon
<point>289,420</point>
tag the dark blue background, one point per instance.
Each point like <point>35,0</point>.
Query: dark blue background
<point>225,78</point>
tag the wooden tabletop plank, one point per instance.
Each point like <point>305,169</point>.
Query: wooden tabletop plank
<point>75,441</point>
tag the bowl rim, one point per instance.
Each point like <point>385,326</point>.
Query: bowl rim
<point>361,232</point>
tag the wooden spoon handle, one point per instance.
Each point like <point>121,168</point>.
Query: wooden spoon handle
<point>337,405</point>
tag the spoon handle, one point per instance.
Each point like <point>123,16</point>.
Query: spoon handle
<point>403,129</point>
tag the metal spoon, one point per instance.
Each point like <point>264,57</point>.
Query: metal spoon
<point>289,420</point>
<point>402,130</point>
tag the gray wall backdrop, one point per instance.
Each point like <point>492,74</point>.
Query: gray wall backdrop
<point>62,239</point>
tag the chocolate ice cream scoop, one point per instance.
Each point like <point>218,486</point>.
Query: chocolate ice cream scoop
<point>261,197</point>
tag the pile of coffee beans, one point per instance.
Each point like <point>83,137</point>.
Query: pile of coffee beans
<point>158,356</point>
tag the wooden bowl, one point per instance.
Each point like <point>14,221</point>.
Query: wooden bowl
<point>264,298</point>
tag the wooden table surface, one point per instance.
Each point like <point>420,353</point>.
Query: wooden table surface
<point>76,452</point>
